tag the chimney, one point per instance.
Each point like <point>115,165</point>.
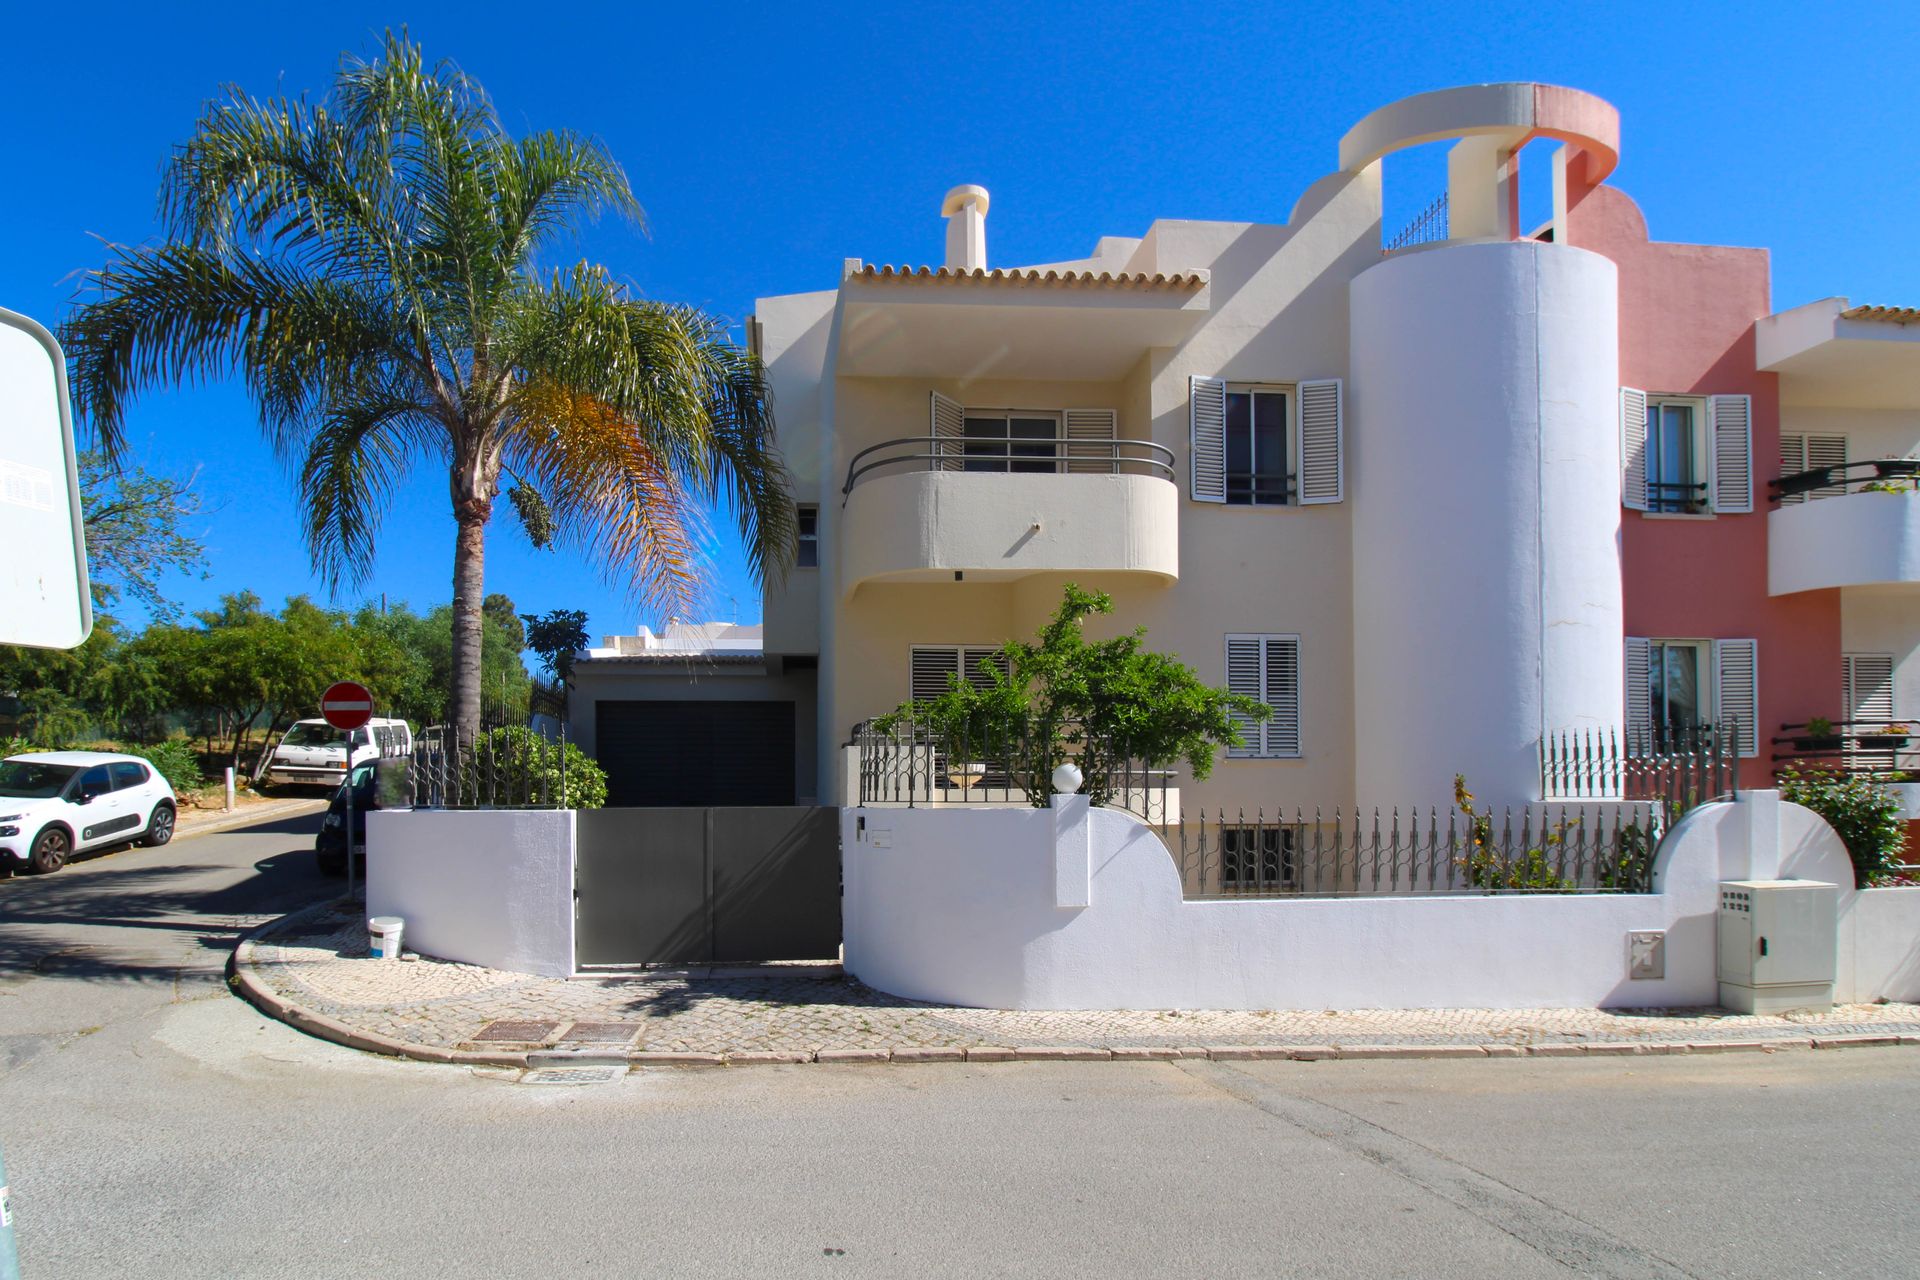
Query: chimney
<point>965,210</point>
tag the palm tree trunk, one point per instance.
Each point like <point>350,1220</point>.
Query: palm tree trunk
<point>469,565</point>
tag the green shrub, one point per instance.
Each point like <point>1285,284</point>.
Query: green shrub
<point>1861,809</point>
<point>1532,871</point>
<point>533,764</point>
<point>176,761</point>
<point>14,745</point>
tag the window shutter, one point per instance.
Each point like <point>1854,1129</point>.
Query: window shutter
<point>1322,442</point>
<point>1736,671</point>
<point>1088,434</point>
<point>977,661</point>
<point>1827,451</point>
<point>1730,428</point>
<point>1633,449</point>
<point>1639,692</point>
<point>931,668</point>
<point>1207,442</point>
<point>1866,691</point>
<point>1283,695</point>
<point>1244,677</point>
<point>948,427</point>
<point>1793,460</point>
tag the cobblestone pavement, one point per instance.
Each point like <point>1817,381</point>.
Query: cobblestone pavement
<point>320,965</point>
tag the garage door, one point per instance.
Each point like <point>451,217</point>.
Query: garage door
<point>696,753</point>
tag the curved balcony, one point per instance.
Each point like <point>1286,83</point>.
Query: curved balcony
<point>923,509</point>
<point>1857,537</point>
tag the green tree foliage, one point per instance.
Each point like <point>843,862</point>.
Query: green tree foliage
<point>139,533</point>
<point>1098,703</point>
<point>1861,809</point>
<point>375,264</point>
<point>556,637</point>
<point>423,693</point>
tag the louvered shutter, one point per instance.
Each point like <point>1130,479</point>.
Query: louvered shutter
<point>1793,460</point>
<point>932,667</point>
<point>948,427</point>
<point>1207,440</point>
<point>1827,451</point>
<point>1736,674</point>
<point>1282,681</point>
<point>1639,693</point>
<point>977,662</point>
<point>1089,447</point>
<point>1730,435</point>
<point>1633,449</point>
<point>1866,691</point>
<point>1322,442</point>
<point>1244,676</point>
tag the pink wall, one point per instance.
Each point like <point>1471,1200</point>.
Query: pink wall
<point>1687,315</point>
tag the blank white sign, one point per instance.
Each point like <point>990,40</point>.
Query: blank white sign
<point>43,552</point>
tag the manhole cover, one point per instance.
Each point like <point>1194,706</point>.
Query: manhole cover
<point>573,1075</point>
<point>600,1032</point>
<point>522,1032</point>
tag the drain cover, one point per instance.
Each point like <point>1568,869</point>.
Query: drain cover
<point>523,1032</point>
<point>573,1075</point>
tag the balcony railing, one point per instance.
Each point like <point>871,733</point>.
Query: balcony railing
<point>1885,475</point>
<point>1019,457</point>
<point>1880,747</point>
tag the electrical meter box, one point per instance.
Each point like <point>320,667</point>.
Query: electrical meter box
<point>1777,944</point>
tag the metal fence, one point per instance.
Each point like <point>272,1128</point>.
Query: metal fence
<point>1429,225</point>
<point>1676,768</point>
<point>911,764</point>
<point>1590,849</point>
<point>494,771</point>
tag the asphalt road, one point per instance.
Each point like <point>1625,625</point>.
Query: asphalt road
<point>156,1126</point>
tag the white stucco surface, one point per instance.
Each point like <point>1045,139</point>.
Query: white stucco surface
<point>974,907</point>
<point>1880,944</point>
<point>488,887</point>
<point>1486,572</point>
<point>1855,540</point>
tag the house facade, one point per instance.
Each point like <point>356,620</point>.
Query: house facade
<point>1433,498</point>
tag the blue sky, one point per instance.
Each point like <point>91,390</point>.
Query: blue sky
<point>768,142</point>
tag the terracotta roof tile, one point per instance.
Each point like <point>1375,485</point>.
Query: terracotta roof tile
<point>1030,276</point>
<point>1891,315</point>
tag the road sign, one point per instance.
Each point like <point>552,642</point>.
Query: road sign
<point>346,705</point>
<point>44,599</point>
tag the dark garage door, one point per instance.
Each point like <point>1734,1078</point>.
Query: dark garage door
<point>696,753</point>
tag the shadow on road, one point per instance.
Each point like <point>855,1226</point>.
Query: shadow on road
<point>177,908</point>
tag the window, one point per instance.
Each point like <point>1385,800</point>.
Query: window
<point>383,738</point>
<point>933,665</point>
<point>1676,675</point>
<point>807,526</point>
<point>1801,453</point>
<point>1866,687</point>
<point>1257,858</point>
<point>1256,442</point>
<point>94,783</point>
<point>1675,686</point>
<point>128,774</point>
<point>1266,667</point>
<point>1010,440</point>
<point>1675,480</point>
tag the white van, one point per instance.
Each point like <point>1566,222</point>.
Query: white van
<point>313,754</point>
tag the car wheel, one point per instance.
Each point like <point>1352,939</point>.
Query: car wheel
<point>50,851</point>
<point>159,826</point>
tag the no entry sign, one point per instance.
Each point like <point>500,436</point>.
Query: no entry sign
<point>346,705</point>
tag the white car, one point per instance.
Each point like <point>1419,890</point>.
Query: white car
<point>314,754</point>
<point>54,804</point>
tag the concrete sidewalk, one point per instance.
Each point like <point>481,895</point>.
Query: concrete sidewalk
<point>312,971</point>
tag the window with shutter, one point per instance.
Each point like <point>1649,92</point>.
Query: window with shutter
<point>1730,427</point>
<point>1266,668</point>
<point>1633,449</point>
<point>1639,690</point>
<point>1207,441</point>
<point>1322,445</point>
<point>1737,690</point>
<point>1090,433</point>
<point>1866,687</point>
<point>933,665</point>
<point>1802,453</point>
<point>948,426</point>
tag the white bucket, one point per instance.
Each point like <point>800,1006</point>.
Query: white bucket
<point>383,940</point>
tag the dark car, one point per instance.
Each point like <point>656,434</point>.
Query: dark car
<point>330,847</point>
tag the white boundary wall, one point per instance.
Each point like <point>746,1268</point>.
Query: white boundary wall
<point>491,887</point>
<point>1071,908</point>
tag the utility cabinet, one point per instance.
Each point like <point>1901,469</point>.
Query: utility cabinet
<point>1777,944</point>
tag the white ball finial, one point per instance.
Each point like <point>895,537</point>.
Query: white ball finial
<point>1067,778</point>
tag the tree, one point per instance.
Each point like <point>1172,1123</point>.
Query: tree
<point>137,534</point>
<point>367,264</point>
<point>557,637</point>
<point>1099,703</point>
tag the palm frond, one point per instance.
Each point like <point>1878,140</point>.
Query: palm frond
<point>365,444</point>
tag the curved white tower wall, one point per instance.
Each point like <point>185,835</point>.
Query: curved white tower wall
<point>1485,461</point>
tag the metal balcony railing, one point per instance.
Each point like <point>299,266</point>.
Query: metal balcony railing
<point>1884,748</point>
<point>1887,475</point>
<point>1011,456</point>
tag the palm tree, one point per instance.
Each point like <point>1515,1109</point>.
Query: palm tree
<point>368,265</point>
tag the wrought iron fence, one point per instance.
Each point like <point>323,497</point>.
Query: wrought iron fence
<point>907,763</point>
<point>1675,768</point>
<point>494,771</point>
<point>1428,225</point>
<point>1590,849</point>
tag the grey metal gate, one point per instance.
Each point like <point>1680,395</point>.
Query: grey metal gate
<point>700,886</point>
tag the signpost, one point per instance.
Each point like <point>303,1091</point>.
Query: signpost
<point>347,706</point>
<point>44,600</point>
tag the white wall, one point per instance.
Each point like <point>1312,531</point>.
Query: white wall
<point>1880,944</point>
<point>980,908</point>
<point>1483,442</point>
<point>491,887</point>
